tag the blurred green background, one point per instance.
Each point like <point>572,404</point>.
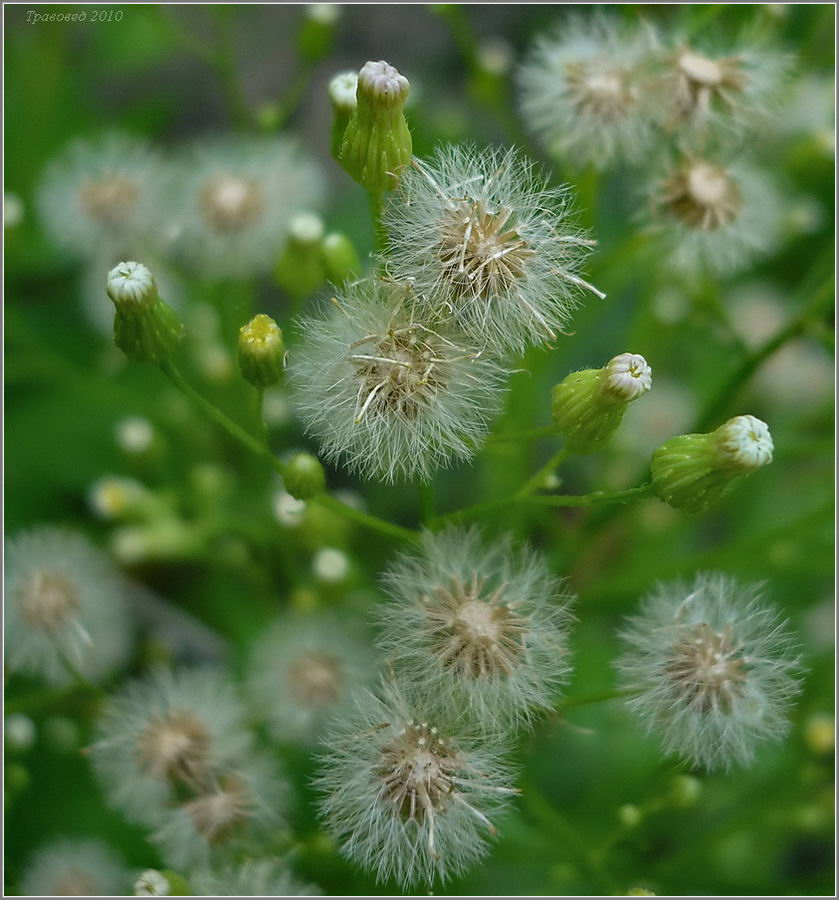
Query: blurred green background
<point>768,830</point>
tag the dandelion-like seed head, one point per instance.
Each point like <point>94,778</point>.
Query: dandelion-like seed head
<point>252,878</point>
<point>103,193</point>
<point>221,811</point>
<point>405,793</point>
<point>75,868</point>
<point>711,668</point>
<point>386,390</point>
<point>485,241</point>
<point>480,627</point>
<point>585,91</point>
<point>236,198</point>
<point>65,607</point>
<point>702,195</point>
<point>303,671</point>
<point>713,214</point>
<point>164,737</point>
<point>744,443</point>
<point>627,377</point>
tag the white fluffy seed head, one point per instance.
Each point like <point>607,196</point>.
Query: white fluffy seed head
<point>727,91</point>
<point>151,883</point>
<point>585,91</point>
<point>712,215</point>
<point>303,670</point>
<point>65,608</point>
<point>405,793</point>
<point>744,443</point>
<point>712,669</point>
<point>239,804</point>
<point>165,735</point>
<point>252,878</point>
<point>236,199</point>
<point>480,627</point>
<point>75,867</point>
<point>387,392</point>
<point>627,377</point>
<point>106,192</point>
<point>486,242</point>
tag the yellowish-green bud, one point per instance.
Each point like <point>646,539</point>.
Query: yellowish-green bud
<point>146,328</point>
<point>820,734</point>
<point>589,405</point>
<point>340,258</point>
<point>261,351</point>
<point>693,471</point>
<point>640,892</point>
<point>304,476</point>
<point>342,90</point>
<point>629,815</point>
<point>377,143</point>
<point>300,269</point>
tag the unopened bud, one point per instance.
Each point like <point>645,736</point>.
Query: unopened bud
<point>377,143</point>
<point>340,258</point>
<point>300,269</point>
<point>588,406</point>
<point>317,31</point>
<point>304,476</point>
<point>685,790</point>
<point>146,328</point>
<point>342,90</point>
<point>693,471</point>
<point>261,351</point>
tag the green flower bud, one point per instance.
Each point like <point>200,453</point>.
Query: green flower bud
<point>300,269</point>
<point>340,258</point>
<point>589,405</point>
<point>377,142</point>
<point>693,471</point>
<point>685,791</point>
<point>261,351</point>
<point>146,328</point>
<point>316,35</point>
<point>304,476</point>
<point>342,91</point>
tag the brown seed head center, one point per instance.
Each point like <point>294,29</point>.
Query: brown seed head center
<point>231,203</point>
<point>703,196</point>
<point>474,633</point>
<point>481,251</point>
<point>707,668</point>
<point>315,679</point>
<point>598,91</point>
<point>175,746</point>
<point>47,600</point>
<point>109,200</point>
<point>417,771</point>
<point>221,811</point>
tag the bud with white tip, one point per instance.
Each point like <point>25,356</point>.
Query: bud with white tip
<point>342,90</point>
<point>693,471</point>
<point>588,406</point>
<point>146,328</point>
<point>377,143</point>
<point>300,269</point>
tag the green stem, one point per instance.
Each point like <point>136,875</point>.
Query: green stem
<point>567,835</point>
<point>719,403</point>
<point>594,698</point>
<point>379,233</point>
<point>239,433</point>
<point>363,518</point>
<point>260,415</point>
<point>538,480</point>
<point>582,500</point>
